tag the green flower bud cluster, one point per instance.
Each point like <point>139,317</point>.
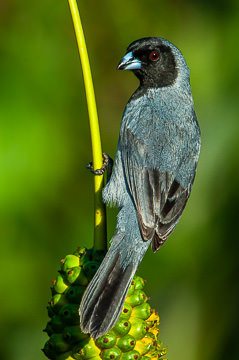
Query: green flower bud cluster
<point>135,335</point>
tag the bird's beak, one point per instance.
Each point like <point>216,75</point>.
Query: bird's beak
<point>129,62</point>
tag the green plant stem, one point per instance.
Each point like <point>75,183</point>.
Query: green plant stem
<point>100,234</point>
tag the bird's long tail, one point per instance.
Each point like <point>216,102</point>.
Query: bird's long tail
<point>103,300</point>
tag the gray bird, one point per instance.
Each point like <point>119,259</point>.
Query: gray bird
<point>154,170</point>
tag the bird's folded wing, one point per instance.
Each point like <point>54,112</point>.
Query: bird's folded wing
<point>158,197</point>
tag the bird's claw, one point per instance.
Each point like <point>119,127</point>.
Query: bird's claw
<point>107,165</point>
<point>90,166</point>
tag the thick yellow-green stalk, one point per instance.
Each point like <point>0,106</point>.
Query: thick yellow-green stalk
<point>100,236</point>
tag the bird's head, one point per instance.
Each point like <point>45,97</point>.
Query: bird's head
<point>155,61</point>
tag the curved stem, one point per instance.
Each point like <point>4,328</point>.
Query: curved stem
<point>100,237</point>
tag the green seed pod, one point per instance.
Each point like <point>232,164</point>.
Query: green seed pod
<point>50,310</point>
<point>49,351</point>
<point>153,321</point>
<point>131,288</point>
<point>133,337</point>
<point>73,334</point>
<point>111,354</point>
<point>130,355</point>
<point>142,311</point>
<point>69,314</point>
<point>90,255</point>
<point>126,343</point>
<point>90,268</point>
<point>88,351</point>
<point>122,327</point>
<point>137,298</point>
<point>98,256</point>
<point>106,341</point>
<point>55,299</point>
<point>59,285</point>
<point>144,346</point>
<point>58,344</point>
<point>86,256</point>
<point>49,330</point>
<point>138,328</point>
<point>53,291</point>
<point>139,283</point>
<point>82,279</point>
<point>162,352</point>
<point>69,262</point>
<point>57,324</point>
<point>57,302</point>
<point>74,294</point>
<point>151,337</point>
<point>145,358</point>
<point>80,251</point>
<point>65,356</point>
<point>72,274</point>
<point>126,312</point>
<point>76,276</point>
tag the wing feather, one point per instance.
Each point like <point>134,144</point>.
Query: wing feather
<point>158,197</point>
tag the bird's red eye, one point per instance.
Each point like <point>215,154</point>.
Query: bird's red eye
<point>154,55</point>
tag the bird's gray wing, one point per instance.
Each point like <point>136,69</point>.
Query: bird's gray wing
<point>158,196</point>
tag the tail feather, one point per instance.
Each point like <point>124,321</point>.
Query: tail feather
<point>103,300</point>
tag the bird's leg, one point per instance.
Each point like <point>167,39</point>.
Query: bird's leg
<point>107,165</point>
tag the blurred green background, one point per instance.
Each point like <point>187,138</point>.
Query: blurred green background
<point>46,192</point>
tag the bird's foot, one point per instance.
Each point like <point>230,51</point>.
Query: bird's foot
<point>107,165</point>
